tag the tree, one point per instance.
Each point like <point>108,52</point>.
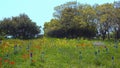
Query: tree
<point>20,27</point>
<point>117,19</point>
<point>72,22</point>
<point>26,28</point>
<point>58,9</point>
<point>53,29</point>
<point>105,17</point>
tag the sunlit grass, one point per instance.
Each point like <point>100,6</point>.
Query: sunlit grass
<point>58,53</point>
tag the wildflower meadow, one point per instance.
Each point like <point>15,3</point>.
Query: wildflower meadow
<point>59,53</point>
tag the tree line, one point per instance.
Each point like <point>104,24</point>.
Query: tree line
<point>21,27</point>
<point>72,20</point>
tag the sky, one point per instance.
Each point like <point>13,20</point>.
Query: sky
<point>39,11</point>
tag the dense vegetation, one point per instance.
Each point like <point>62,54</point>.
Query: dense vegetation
<point>74,26</point>
<point>20,27</point>
<point>82,20</point>
<point>59,53</point>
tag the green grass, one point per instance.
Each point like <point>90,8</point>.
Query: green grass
<point>58,53</point>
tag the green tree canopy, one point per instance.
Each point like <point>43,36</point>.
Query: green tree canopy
<point>19,27</point>
<point>72,22</point>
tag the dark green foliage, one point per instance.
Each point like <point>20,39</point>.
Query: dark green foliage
<point>19,27</point>
<point>60,33</point>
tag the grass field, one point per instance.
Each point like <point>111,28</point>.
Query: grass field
<point>59,53</point>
